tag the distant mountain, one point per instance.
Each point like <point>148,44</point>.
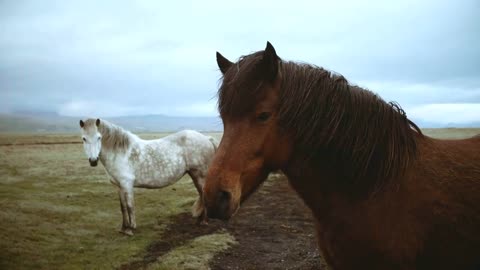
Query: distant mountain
<point>44,122</point>
<point>48,122</point>
<point>427,124</point>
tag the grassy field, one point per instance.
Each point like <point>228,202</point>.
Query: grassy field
<point>28,139</point>
<point>60,213</point>
<point>451,133</point>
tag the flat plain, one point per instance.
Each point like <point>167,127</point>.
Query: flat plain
<point>60,213</point>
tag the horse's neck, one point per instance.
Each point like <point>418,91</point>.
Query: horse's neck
<point>107,155</point>
<point>312,183</point>
<point>320,183</point>
<point>108,152</point>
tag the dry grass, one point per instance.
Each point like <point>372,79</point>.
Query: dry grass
<point>451,133</point>
<point>28,139</point>
<point>196,254</point>
<point>60,213</point>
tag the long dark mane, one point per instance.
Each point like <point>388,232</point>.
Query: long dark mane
<point>368,140</point>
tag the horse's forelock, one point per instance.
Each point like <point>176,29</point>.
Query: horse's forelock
<point>241,86</point>
<point>89,127</point>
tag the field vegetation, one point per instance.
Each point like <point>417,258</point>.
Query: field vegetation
<point>60,213</point>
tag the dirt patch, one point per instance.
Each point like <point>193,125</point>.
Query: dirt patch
<point>182,229</point>
<point>273,228</point>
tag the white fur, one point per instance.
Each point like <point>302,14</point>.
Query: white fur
<point>147,163</point>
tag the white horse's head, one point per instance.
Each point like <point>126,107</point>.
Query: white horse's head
<point>92,139</point>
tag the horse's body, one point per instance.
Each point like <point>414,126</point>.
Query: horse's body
<point>429,219</point>
<point>383,195</point>
<point>133,162</point>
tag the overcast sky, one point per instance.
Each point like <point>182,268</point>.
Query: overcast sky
<point>112,58</point>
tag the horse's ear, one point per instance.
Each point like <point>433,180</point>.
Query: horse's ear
<point>223,63</point>
<point>82,124</point>
<point>97,122</point>
<point>270,63</point>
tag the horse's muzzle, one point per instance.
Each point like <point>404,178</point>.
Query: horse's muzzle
<point>93,162</point>
<point>213,213</point>
<point>221,208</point>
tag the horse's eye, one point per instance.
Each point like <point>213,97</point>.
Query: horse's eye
<point>99,138</point>
<point>262,117</point>
<point>85,140</point>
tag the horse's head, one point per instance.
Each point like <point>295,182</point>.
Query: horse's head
<point>252,144</point>
<point>92,139</point>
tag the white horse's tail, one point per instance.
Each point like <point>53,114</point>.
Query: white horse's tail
<point>214,143</point>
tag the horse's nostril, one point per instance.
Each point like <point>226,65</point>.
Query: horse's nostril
<point>224,196</point>
<point>93,162</point>
<point>223,201</point>
<point>221,206</point>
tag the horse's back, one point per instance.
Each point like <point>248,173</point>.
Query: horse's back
<point>197,147</point>
<point>461,154</point>
<point>447,180</point>
<point>453,166</point>
<point>187,137</point>
<point>186,134</point>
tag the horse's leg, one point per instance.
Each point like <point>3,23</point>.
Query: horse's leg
<point>126,199</point>
<point>123,208</point>
<point>198,209</point>
<point>131,209</point>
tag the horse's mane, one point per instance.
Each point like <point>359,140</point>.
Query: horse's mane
<point>367,140</point>
<point>113,136</point>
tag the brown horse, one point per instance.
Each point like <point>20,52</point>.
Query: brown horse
<point>384,196</point>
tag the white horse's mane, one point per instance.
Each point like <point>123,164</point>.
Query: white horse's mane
<point>113,136</point>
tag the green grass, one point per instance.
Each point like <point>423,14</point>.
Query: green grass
<point>25,138</point>
<point>451,133</point>
<point>195,254</point>
<point>60,213</point>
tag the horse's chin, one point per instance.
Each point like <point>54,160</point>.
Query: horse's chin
<point>222,215</point>
<point>217,215</point>
<point>94,163</point>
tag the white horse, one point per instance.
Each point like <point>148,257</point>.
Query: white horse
<point>133,162</point>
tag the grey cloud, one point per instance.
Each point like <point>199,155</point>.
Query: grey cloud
<point>138,57</point>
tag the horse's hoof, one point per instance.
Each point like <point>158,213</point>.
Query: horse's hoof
<point>202,221</point>
<point>127,231</point>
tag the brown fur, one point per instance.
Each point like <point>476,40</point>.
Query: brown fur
<point>384,195</point>
<point>384,145</point>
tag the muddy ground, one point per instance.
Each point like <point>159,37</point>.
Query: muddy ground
<point>273,228</point>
